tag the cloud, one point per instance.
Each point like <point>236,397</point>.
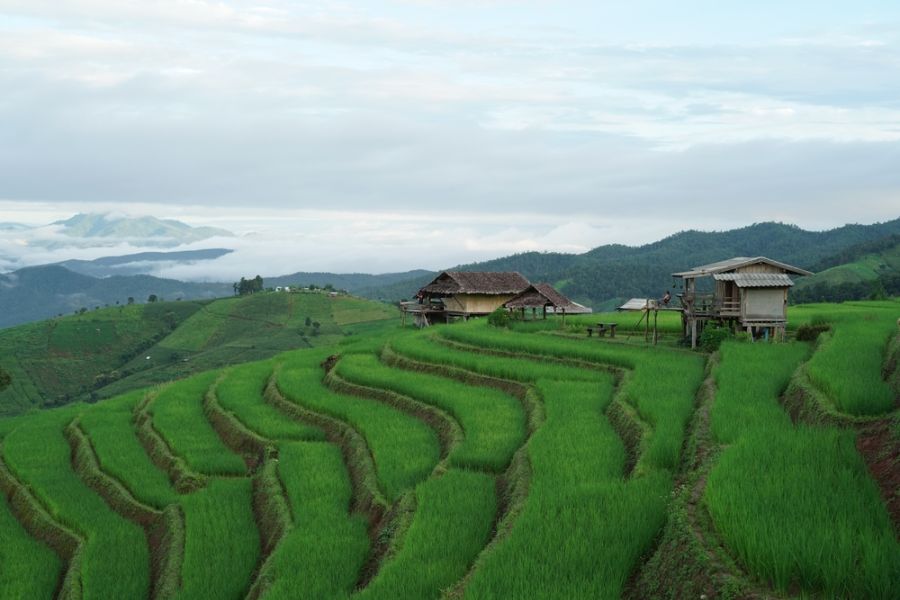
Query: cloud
<point>478,129</point>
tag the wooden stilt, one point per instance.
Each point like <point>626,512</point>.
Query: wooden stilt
<point>655,327</point>
<point>693,333</point>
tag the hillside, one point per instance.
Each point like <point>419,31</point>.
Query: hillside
<point>112,350</point>
<point>523,463</point>
<point>600,278</point>
<point>861,271</point>
<point>609,274</point>
<point>48,291</point>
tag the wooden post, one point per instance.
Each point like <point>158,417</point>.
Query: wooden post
<point>693,333</point>
<point>564,317</point>
<point>655,328</point>
<point>647,324</point>
<point>544,309</point>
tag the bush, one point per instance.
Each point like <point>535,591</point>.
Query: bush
<point>810,332</point>
<point>499,318</point>
<point>712,337</point>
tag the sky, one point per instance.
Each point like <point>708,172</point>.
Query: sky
<point>384,136</point>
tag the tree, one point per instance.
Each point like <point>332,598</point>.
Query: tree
<point>248,286</point>
<point>5,379</point>
<point>308,321</point>
<point>152,298</point>
<point>130,299</point>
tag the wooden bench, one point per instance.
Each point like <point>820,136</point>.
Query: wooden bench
<point>602,328</point>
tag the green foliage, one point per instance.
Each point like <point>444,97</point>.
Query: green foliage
<point>499,318</point>
<point>221,542</point>
<point>451,525</point>
<point>248,286</point>
<point>179,417</point>
<point>847,366</point>
<point>120,454</point>
<point>28,569</point>
<point>240,392</point>
<point>325,550</point>
<point>5,379</point>
<point>807,515</point>
<point>115,559</point>
<point>404,448</point>
<point>810,332</point>
<point>493,422</point>
<point>712,337</point>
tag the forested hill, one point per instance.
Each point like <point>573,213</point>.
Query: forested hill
<point>607,274</point>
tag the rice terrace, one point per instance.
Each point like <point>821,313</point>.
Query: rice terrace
<point>484,458</point>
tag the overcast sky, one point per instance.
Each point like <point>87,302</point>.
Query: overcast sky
<point>374,136</point>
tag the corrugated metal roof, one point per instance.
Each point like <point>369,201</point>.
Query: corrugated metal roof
<point>638,304</point>
<point>736,262</point>
<point>743,280</point>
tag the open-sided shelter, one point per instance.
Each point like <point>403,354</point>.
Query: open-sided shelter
<point>543,296</point>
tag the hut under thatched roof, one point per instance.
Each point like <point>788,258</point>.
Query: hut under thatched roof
<point>544,296</point>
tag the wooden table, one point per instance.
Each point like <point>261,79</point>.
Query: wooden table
<point>602,328</point>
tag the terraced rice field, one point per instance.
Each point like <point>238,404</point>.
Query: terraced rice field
<point>469,462</point>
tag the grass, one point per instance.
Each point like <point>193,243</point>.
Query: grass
<point>28,568</point>
<point>115,560</point>
<point>493,422</point>
<point>583,527</point>
<point>346,310</point>
<point>795,504</point>
<point>120,454</point>
<point>221,547</point>
<point>451,525</point>
<point>178,416</point>
<point>847,367</point>
<point>661,386</point>
<point>405,449</point>
<point>240,392</point>
<point>325,550</point>
<point>61,360</point>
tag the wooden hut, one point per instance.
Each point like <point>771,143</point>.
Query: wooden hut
<point>543,296</point>
<point>747,292</point>
<point>462,294</point>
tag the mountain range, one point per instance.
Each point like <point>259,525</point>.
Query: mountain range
<point>602,277</point>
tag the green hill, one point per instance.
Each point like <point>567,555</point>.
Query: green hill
<point>464,461</point>
<point>108,351</point>
<point>862,271</point>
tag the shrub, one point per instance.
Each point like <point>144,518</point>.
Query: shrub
<point>499,318</point>
<point>810,332</point>
<point>712,337</point>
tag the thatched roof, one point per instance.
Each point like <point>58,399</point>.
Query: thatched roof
<point>540,295</point>
<point>449,283</point>
<point>737,262</point>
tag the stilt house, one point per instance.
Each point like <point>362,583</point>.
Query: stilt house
<point>747,292</point>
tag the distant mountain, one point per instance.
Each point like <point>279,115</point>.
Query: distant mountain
<point>141,262</point>
<point>606,275</point>
<point>163,232</point>
<point>42,292</point>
